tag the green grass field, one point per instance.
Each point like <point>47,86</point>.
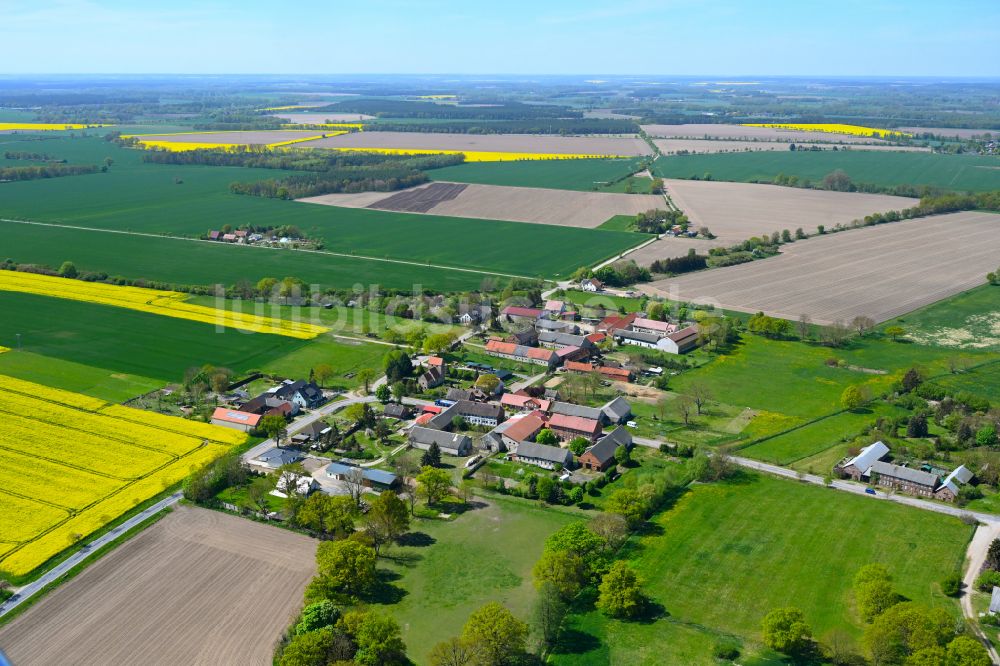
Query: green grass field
<point>127,341</point>
<point>583,175</point>
<point>102,383</point>
<point>618,223</point>
<point>191,200</point>
<point>463,569</point>
<point>953,172</point>
<point>967,321</point>
<point>729,553</point>
<point>345,357</point>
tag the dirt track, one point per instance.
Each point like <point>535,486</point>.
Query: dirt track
<point>737,211</point>
<point>514,143</point>
<point>496,202</point>
<point>199,587</point>
<point>703,130</point>
<point>882,272</point>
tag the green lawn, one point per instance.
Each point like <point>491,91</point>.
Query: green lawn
<point>557,174</point>
<point>466,567</point>
<point>344,356</point>
<point>117,340</point>
<point>191,200</point>
<point>618,223</point>
<point>953,172</point>
<point>967,321</point>
<point>729,553</point>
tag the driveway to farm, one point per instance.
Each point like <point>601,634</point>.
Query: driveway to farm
<point>976,557</point>
<point>51,576</point>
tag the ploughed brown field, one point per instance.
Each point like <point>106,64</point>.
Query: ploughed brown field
<point>736,211</point>
<point>952,131</point>
<point>880,272</point>
<point>198,587</point>
<point>495,202</point>
<point>703,130</point>
<point>320,117</point>
<point>500,143</point>
<point>673,146</point>
<point>261,137</point>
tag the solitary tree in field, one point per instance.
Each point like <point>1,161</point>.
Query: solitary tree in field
<point>684,406</point>
<point>803,326</point>
<point>785,630</point>
<point>700,394</point>
<point>322,373</point>
<point>366,375</point>
<point>852,398</point>
<point>895,332</point>
<point>68,270</point>
<point>862,324</point>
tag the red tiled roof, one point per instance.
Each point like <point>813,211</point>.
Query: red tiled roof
<point>541,354</point>
<point>654,325</point>
<point>432,409</point>
<point>517,311</point>
<point>567,351</point>
<point>684,334</point>
<point>522,401</point>
<point>236,416</point>
<point>616,373</point>
<point>435,361</point>
<point>576,366</point>
<point>616,321</point>
<point>424,418</point>
<point>525,427</point>
<point>501,347</point>
<point>596,337</point>
<point>575,423</point>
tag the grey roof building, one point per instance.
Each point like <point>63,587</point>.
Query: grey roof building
<point>543,455</point>
<point>569,409</point>
<point>560,339</point>
<point>275,458</point>
<point>478,413</point>
<point>452,444</point>
<point>600,456</point>
<point>617,410</point>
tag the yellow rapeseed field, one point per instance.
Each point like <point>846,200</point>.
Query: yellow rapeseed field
<point>477,156</point>
<point>833,128</point>
<point>345,126</point>
<point>46,127</point>
<point>4,349</point>
<point>70,464</point>
<point>164,303</point>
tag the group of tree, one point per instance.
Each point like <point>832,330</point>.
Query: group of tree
<point>692,261</point>
<point>325,635</point>
<point>769,327</point>
<point>46,171</point>
<point>658,221</point>
<point>622,273</point>
<point>492,636</point>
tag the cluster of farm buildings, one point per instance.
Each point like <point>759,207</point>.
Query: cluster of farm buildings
<point>872,465</point>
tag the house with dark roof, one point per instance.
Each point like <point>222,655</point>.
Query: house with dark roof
<point>557,339</point>
<point>431,378</point>
<point>376,479</point>
<point>518,313</point>
<point>306,395</point>
<point>905,479</point>
<point>267,403</point>
<point>276,457</point>
<point>601,455</point>
<point>616,410</point>
<point>451,444</point>
<point>542,455</point>
<point>476,413</point>
<point>395,410</point>
<point>591,284</point>
<point>557,326</point>
<point>571,409</point>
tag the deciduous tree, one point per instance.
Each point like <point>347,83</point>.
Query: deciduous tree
<point>620,593</point>
<point>785,630</point>
<point>499,637</point>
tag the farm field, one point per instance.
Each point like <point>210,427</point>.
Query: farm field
<point>96,382</point>
<point>744,132</point>
<point>182,261</point>
<point>736,211</point>
<point>584,175</point>
<point>229,584</point>
<point>881,271</point>
<point>461,570</point>
<point>119,340</point>
<point>517,204</point>
<point>192,140</point>
<point>951,131</point>
<point>965,321</point>
<point>488,143</point>
<point>163,303</point>
<point>747,528</point>
<point>671,146</point>
<point>98,461</point>
<point>320,118</point>
<point>885,168</point>
<point>344,356</point>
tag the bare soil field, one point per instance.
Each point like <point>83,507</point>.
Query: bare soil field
<point>199,587</point>
<point>262,137</point>
<point>320,118</point>
<point>500,143</point>
<point>672,146</point>
<point>496,202</point>
<point>951,131</point>
<point>709,130</point>
<point>881,272</point>
<point>737,211</point>
<point>608,114</point>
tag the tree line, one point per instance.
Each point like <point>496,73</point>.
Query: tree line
<point>47,171</point>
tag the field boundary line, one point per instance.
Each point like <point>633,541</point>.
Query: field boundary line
<point>405,262</point>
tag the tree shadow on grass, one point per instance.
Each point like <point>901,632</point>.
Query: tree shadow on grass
<point>573,641</point>
<point>402,558</point>
<point>384,592</point>
<point>416,540</point>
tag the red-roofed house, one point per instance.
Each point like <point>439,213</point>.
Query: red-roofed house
<point>568,427</point>
<point>571,353</point>
<point>653,326</point>
<point>516,312</point>
<point>523,354</point>
<point>597,338</point>
<point>576,366</point>
<point>615,322</point>
<point>232,418</point>
<point>435,362</point>
<point>524,428</point>
<point>524,403</point>
<point>615,374</point>
<point>432,409</point>
<point>424,418</point>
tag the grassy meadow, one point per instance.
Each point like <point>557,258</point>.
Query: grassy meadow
<point>726,554</point>
<point>582,175</point>
<point>952,172</point>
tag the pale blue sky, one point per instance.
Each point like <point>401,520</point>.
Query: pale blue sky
<point>749,37</point>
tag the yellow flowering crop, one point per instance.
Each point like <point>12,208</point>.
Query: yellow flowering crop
<point>70,464</point>
<point>833,128</point>
<point>477,156</point>
<point>46,127</point>
<point>165,303</point>
<point>344,126</point>
<point>182,146</point>
<point>4,349</point>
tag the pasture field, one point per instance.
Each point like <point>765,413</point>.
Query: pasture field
<point>182,261</point>
<point>514,145</point>
<point>881,272</point>
<point>581,175</point>
<point>119,340</point>
<point>462,570</point>
<point>746,528</point>
<point>97,460</point>
<point>163,303</point>
<point>344,356</point>
<point>749,133</point>
<point>231,584</point>
<point>886,168</point>
<point>672,146</point>
<point>495,202</point>
<point>832,128</point>
<point>966,321</point>
<point>90,380</point>
<point>736,211</point>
